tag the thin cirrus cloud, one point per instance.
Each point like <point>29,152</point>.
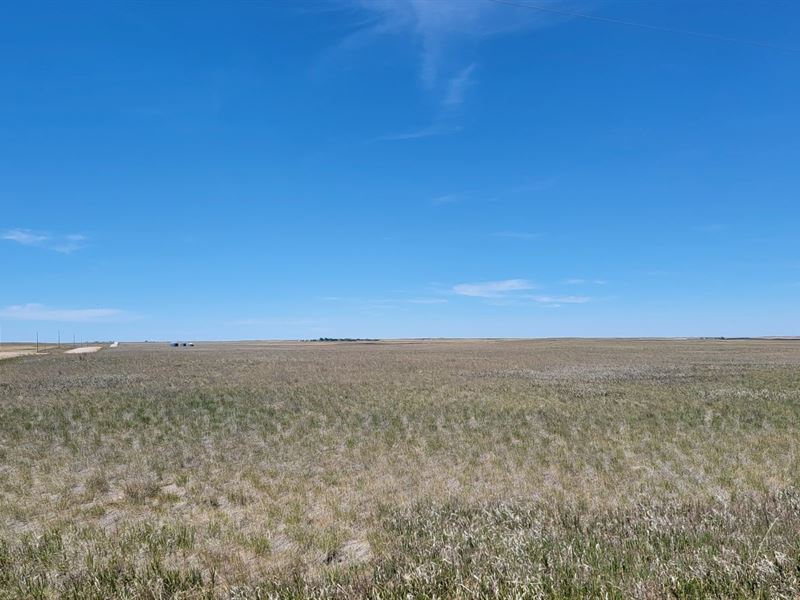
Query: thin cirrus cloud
<point>712,228</point>
<point>65,244</point>
<point>493,289</point>
<point>579,281</point>
<point>457,87</point>
<point>424,132</point>
<point>516,235</point>
<point>561,299</point>
<point>26,237</point>
<point>441,29</point>
<point>515,290</point>
<point>41,312</point>
<point>277,321</point>
<point>446,199</point>
<point>383,301</point>
<point>426,301</point>
<point>443,33</point>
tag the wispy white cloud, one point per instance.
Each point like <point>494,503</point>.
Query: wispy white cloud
<point>457,87</point>
<point>444,31</point>
<point>530,187</point>
<point>416,134</point>
<point>561,299</point>
<point>579,281</point>
<point>40,312</point>
<point>65,244</point>
<point>276,321</point>
<point>69,243</point>
<point>26,237</point>
<point>426,301</point>
<point>441,28</point>
<point>383,302</point>
<point>493,289</point>
<point>516,235</point>
<point>446,199</point>
<point>516,291</point>
<point>712,227</point>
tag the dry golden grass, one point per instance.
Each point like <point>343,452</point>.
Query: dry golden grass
<point>559,468</point>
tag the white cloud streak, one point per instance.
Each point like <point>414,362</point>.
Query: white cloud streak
<point>26,237</point>
<point>493,289</point>
<point>457,87</point>
<point>440,26</point>
<point>65,244</point>
<point>446,199</point>
<point>426,301</point>
<point>40,312</point>
<point>276,321</point>
<point>513,290</point>
<point>416,134</point>
<point>442,30</point>
<point>516,235</point>
<point>561,299</point>
<point>383,302</point>
<point>579,281</point>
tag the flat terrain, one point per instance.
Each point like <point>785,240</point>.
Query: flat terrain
<point>554,468</point>
<point>14,350</point>
<point>84,350</point>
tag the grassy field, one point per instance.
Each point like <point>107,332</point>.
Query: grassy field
<point>463,469</point>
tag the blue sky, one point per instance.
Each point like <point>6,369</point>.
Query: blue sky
<point>399,169</point>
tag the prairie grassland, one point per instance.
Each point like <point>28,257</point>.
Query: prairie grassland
<point>529,469</point>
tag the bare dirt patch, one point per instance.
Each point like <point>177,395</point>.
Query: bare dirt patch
<point>15,354</point>
<point>84,350</point>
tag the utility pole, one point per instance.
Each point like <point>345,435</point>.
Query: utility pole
<point>59,338</point>
<point>37,342</point>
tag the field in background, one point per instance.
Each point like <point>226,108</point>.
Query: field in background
<point>550,468</point>
<point>13,350</point>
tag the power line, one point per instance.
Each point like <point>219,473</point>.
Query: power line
<point>697,34</point>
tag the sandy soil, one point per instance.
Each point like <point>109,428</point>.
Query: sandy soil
<point>83,350</point>
<point>14,354</point>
